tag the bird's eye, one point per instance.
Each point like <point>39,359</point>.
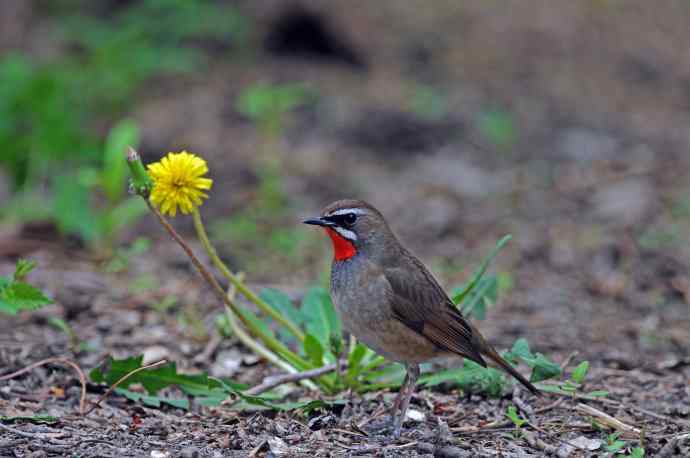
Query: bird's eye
<point>350,218</point>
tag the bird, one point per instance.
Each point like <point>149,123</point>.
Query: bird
<point>391,302</point>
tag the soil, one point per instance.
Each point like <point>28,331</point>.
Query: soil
<point>595,188</point>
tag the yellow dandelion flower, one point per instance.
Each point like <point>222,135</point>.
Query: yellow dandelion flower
<point>178,181</point>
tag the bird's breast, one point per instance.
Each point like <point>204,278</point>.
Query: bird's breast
<point>362,301</point>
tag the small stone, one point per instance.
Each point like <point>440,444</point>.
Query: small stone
<point>278,447</point>
<point>155,353</point>
<point>190,452</point>
<point>227,363</point>
<point>625,202</point>
<point>586,145</point>
<point>415,415</point>
<point>159,454</point>
<point>586,443</point>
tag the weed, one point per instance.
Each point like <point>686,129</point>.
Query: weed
<point>16,295</point>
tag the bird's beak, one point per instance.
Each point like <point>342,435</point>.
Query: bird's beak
<point>318,222</point>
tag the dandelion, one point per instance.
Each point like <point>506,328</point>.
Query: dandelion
<point>178,180</point>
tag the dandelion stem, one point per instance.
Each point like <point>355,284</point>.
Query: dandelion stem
<point>271,342</point>
<point>239,284</point>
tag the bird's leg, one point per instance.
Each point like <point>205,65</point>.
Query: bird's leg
<point>398,398</point>
<point>403,399</point>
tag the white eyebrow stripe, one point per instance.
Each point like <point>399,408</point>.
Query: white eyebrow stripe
<point>345,233</point>
<point>345,211</point>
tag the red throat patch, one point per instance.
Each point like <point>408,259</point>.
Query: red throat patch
<point>342,248</point>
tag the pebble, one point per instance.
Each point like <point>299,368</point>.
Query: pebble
<point>415,415</point>
<point>155,353</point>
<point>586,145</point>
<point>626,202</point>
<point>227,363</point>
<point>159,454</point>
<point>190,452</point>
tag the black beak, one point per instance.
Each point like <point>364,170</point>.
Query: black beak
<point>318,222</point>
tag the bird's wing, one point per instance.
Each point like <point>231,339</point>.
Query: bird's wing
<point>429,311</point>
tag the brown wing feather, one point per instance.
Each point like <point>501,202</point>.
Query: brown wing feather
<point>429,312</point>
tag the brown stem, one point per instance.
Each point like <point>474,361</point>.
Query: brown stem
<point>69,362</point>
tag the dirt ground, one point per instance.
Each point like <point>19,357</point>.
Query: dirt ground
<point>595,190</point>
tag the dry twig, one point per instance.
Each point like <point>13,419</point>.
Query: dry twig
<point>69,362</point>
<point>606,419</point>
<point>276,380</point>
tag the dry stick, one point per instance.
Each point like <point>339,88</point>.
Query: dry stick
<point>606,419</point>
<point>122,379</point>
<point>32,436</point>
<point>69,362</point>
<point>244,337</point>
<point>276,380</point>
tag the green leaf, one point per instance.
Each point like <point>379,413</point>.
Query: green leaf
<point>485,293</point>
<point>520,350</point>
<point>498,127</point>
<point>38,418</point>
<point>319,313</point>
<point>71,207</point>
<point>472,377</point>
<point>122,215</point>
<point>442,376</point>
<point>542,367</point>
<point>354,360</point>
<point>580,372</point>
<point>281,302</point>
<point>598,393</point>
<point>637,452</point>
<point>114,175</point>
<point>313,350</point>
<point>23,268</point>
<point>513,416</point>
<point>18,296</point>
<point>459,297</point>
<point>151,400</point>
<point>153,380</point>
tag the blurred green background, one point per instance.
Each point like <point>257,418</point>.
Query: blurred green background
<point>563,123</point>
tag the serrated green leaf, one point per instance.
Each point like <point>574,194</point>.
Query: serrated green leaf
<point>543,368</point>
<point>580,372</point>
<point>38,418</point>
<point>153,380</point>
<point>151,400</point>
<point>520,349</point>
<point>17,296</point>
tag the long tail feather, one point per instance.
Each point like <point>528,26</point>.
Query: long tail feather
<point>506,366</point>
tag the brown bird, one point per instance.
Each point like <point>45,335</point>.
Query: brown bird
<point>388,299</point>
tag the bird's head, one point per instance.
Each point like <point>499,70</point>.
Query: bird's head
<point>354,226</point>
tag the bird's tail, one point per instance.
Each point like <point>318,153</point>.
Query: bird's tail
<point>506,366</point>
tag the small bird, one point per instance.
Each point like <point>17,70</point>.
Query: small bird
<point>388,299</point>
